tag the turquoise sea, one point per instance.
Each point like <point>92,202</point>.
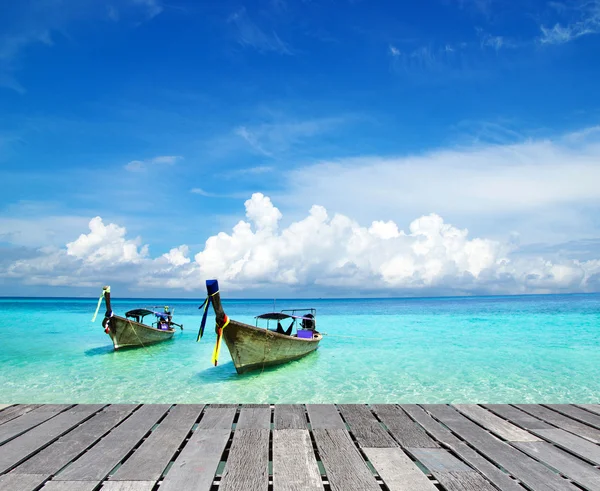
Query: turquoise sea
<point>509,349</point>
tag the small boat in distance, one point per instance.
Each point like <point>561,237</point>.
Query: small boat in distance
<point>254,347</point>
<point>130,331</point>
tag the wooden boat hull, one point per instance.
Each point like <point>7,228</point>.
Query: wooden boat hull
<point>126,333</point>
<point>253,348</point>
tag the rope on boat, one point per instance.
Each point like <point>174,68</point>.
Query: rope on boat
<point>136,335</point>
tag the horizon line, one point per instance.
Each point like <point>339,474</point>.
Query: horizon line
<point>2,297</point>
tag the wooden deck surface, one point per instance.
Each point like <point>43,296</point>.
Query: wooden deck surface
<point>346,447</point>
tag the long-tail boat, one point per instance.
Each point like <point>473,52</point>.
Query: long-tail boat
<point>254,347</point>
<point>131,331</point>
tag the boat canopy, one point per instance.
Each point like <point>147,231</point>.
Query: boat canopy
<point>145,312</point>
<point>280,316</point>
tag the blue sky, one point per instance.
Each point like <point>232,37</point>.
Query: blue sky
<point>164,118</point>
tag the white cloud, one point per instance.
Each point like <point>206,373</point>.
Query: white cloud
<point>394,51</point>
<point>106,244</point>
<point>178,255</point>
<point>276,137</point>
<point>249,34</point>
<point>546,189</point>
<point>144,165</point>
<point>585,20</point>
<point>335,254</point>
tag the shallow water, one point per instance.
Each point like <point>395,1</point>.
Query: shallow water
<point>542,349</point>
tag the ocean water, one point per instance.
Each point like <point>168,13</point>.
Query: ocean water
<point>521,349</point>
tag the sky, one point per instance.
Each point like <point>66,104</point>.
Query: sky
<point>300,148</point>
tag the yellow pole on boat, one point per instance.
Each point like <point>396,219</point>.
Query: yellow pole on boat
<point>105,290</point>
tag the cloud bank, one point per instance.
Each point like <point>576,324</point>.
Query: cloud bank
<point>333,254</point>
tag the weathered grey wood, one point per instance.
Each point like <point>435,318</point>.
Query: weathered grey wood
<point>68,447</point>
<point>449,471</point>
<point>150,460</point>
<point>577,470</point>
<point>324,416</point>
<point>438,459</point>
<point>95,464</point>
<point>561,421</point>
<point>254,417</point>
<point>594,408</point>
<point>535,475</point>
<point>576,413</point>
<point>294,464</point>
<point>402,428</point>
<point>496,425</point>
<point>128,486</point>
<point>31,419</point>
<point>465,452</point>
<point>70,486</point>
<point>217,418</point>
<point>15,451</point>
<point>518,417</point>
<point>574,444</point>
<point>20,482</point>
<point>346,469</point>
<point>397,470</point>
<point>196,465</point>
<point>290,416</point>
<point>12,412</point>
<point>247,465</point>
<point>365,427</point>
<point>463,481</point>
<point>4,406</point>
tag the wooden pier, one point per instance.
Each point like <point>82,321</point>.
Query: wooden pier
<point>182,447</point>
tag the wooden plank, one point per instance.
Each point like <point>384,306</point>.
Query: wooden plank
<point>95,464</point>
<point>449,471</point>
<point>438,459</point>
<point>70,486</point>
<point>195,467</point>
<point>254,417</point>
<point>463,481</point>
<point>13,412</point>
<point>26,422</point>
<point>397,470</point>
<point>345,467</point>
<point>294,464</point>
<point>576,413</point>
<point>593,408</point>
<point>150,460</point>
<point>20,482</point>
<point>68,447</point>
<point>581,472</point>
<point>496,425</point>
<point>247,465</point>
<point>128,486</point>
<point>518,417</point>
<point>17,450</point>
<point>217,418</point>
<point>290,416</point>
<point>561,421</point>
<point>465,452</point>
<point>574,444</point>
<point>535,475</point>
<point>4,406</point>
<point>324,416</point>
<point>365,428</point>
<point>402,428</point>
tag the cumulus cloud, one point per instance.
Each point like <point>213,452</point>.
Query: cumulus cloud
<point>333,254</point>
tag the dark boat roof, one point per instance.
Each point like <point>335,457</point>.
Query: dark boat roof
<point>144,312</point>
<point>280,316</point>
